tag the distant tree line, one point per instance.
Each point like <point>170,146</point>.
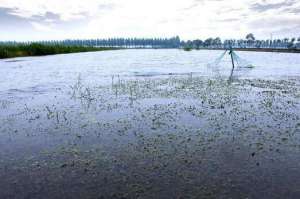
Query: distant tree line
<point>173,42</point>
<point>249,42</point>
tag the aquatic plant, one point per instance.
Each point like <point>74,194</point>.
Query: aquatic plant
<point>181,131</point>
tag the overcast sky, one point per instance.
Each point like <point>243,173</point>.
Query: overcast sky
<point>190,19</point>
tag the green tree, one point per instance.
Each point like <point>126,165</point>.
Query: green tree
<point>250,37</point>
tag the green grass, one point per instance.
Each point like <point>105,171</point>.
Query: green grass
<point>187,48</point>
<point>36,49</point>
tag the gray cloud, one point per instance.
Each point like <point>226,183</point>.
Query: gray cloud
<point>11,16</point>
<point>10,21</point>
<point>229,20</point>
<point>206,0</point>
<point>191,6</point>
<point>50,23</point>
<point>15,27</point>
<point>196,3</point>
<point>292,10</point>
<point>278,23</point>
<point>288,31</point>
<point>258,7</point>
<point>48,17</point>
<point>108,6</point>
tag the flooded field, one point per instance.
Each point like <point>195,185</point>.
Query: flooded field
<point>149,124</point>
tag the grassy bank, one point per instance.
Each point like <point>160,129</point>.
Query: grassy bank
<point>35,49</point>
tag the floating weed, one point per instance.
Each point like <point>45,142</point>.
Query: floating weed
<point>140,132</point>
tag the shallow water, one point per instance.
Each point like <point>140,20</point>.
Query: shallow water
<point>59,70</point>
<point>149,124</point>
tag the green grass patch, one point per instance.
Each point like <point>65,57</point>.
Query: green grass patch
<point>36,49</point>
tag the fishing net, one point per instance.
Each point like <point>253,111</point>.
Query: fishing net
<point>221,64</point>
<point>215,65</point>
<point>241,63</point>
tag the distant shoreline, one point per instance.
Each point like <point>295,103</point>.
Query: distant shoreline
<point>43,50</point>
<point>258,50</point>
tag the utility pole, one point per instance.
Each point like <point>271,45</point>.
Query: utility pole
<point>271,36</point>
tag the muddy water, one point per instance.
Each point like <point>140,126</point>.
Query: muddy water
<point>149,124</point>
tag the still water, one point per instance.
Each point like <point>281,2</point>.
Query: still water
<point>150,124</point>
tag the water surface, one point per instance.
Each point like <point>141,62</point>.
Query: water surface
<point>149,124</point>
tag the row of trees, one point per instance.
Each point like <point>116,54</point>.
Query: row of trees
<point>248,42</point>
<point>175,42</point>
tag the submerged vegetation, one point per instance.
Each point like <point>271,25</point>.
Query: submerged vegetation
<point>37,49</point>
<point>72,129</point>
<point>146,137</point>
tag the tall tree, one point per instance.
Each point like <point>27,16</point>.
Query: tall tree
<point>250,36</point>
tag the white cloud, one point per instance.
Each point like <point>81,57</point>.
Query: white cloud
<point>143,18</point>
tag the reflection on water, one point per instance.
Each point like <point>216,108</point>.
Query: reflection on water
<point>95,66</point>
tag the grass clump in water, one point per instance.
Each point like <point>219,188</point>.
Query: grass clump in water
<point>187,48</point>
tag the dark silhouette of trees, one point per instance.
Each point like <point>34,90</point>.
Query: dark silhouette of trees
<point>250,37</point>
<point>124,42</point>
<point>249,42</point>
